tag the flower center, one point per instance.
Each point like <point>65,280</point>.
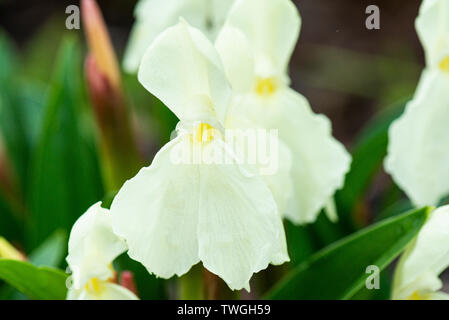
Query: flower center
<point>417,296</point>
<point>94,286</point>
<point>266,86</point>
<point>444,64</point>
<point>203,133</point>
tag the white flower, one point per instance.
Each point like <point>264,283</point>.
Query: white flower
<point>92,248</point>
<point>255,45</point>
<point>416,275</point>
<point>175,214</point>
<point>154,16</point>
<point>418,153</point>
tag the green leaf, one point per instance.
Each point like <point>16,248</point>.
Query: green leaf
<point>12,126</point>
<point>51,252</point>
<point>338,271</point>
<point>367,157</point>
<point>66,179</point>
<point>40,283</point>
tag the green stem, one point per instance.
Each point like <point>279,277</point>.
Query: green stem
<point>191,284</point>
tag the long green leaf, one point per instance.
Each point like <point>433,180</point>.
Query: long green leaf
<point>40,283</point>
<point>65,174</point>
<point>338,271</point>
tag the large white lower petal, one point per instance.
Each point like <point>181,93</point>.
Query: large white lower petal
<point>157,212</point>
<point>418,152</point>
<point>93,246</point>
<point>426,258</point>
<point>239,229</point>
<point>319,161</point>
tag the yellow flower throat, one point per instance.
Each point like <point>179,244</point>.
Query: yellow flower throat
<point>266,86</point>
<point>203,133</point>
<point>444,64</point>
<point>94,286</point>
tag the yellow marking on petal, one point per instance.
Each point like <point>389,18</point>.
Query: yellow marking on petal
<point>203,133</point>
<point>94,286</point>
<point>417,296</point>
<point>266,86</point>
<point>444,64</point>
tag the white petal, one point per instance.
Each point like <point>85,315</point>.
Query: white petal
<point>154,16</point>
<point>239,230</point>
<point>106,291</point>
<point>271,26</point>
<point>319,162</point>
<point>156,212</point>
<point>426,258</point>
<point>438,296</point>
<point>183,69</point>
<point>235,52</point>
<point>418,155</point>
<point>274,161</point>
<point>93,246</point>
<point>432,26</point>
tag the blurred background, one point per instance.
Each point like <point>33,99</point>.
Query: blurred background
<point>49,166</point>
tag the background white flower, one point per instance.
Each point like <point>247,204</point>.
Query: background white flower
<point>154,16</point>
<point>255,45</point>
<point>92,248</point>
<point>416,275</point>
<point>418,153</point>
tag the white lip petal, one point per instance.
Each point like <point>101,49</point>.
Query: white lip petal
<point>93,246</point>
<point>239,230</point>
<point>418,155</point>
<point>182,65</point>
<point>157,213</point>
<point>320,162</point>
<point>271,26</point>
<point>426,258</point>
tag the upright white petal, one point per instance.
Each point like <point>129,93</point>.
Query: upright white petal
<point>418,153</point>
<point>154,16</point>
<point>183,69</point>
<point>239,229</point>
<point>93,246</point>
<point>272,27</point>
<point>432,26</point>
<point>419,267</point>
<point>157,212</point>
<point>238,58</point>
